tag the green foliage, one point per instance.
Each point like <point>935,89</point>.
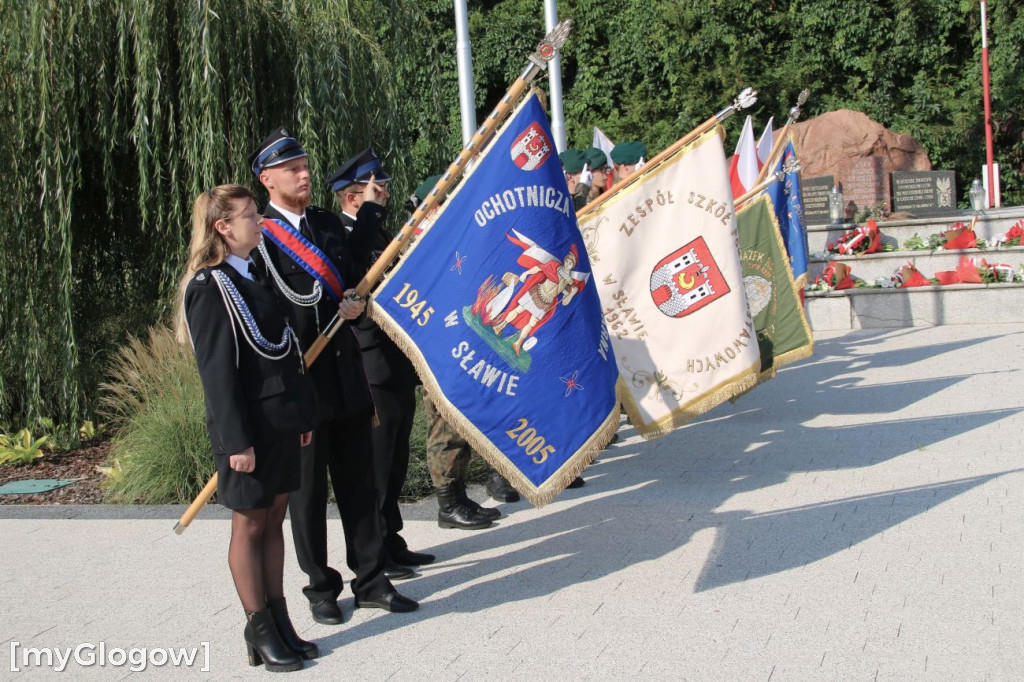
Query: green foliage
<point>114,114</point>
<point>21,448</point>
<point>162,453</point>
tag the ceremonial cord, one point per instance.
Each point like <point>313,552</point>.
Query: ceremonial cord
<point>310,299</point>
<point>238,309</point>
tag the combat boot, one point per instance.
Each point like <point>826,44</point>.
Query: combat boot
<point>499,489</point>
<point>486,512</point>
<point>452,512</point>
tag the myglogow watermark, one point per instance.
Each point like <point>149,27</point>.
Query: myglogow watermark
<point>89,654</point>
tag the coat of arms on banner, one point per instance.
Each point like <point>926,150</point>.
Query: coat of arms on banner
<point>687,280</point>
<point>511,343</point>
<point>532,148</point>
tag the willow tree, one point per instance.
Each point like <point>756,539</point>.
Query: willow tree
<point>116,113</point>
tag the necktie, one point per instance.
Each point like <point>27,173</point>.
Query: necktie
<point>253,272</point>
<point>304,228</point>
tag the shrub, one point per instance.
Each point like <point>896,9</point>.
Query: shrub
<point>161,453</point>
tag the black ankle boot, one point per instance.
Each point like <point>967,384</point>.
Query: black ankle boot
<point>279,609</point>
<point>453,513</point>
<point>486,512</point>
<point>263,642</point>
<point>500,489</point>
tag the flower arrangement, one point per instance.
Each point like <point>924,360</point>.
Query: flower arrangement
<point>1013,235</point>
<point>961,236</point>
<point>861,240</point>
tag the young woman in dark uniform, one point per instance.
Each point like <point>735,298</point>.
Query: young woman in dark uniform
<point>260,407</point>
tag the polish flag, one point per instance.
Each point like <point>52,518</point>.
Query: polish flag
<point>743,166</point>
<point>764,145</point>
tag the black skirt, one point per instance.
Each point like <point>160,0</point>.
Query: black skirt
<point>277,471</point>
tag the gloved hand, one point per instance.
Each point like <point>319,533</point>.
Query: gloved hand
<point>586,177</point>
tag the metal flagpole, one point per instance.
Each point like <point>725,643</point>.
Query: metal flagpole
<point>535,64</point>
<point>988,107</point>
<point>464,60</point>
<point>555,80</point>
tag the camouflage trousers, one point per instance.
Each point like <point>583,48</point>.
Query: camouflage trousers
<point>448,453</point>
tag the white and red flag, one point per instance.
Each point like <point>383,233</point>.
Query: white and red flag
<point>764,145</point>
<point>743,167</point>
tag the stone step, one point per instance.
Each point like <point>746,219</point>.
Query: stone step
<point>990,224</point>
<point>870,267</point>
<point>915,307</point>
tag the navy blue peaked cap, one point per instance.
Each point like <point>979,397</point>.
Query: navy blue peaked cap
<point>276,148</point>
<point>359,168</point>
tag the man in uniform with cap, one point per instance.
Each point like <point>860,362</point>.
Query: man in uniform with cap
<point>577,175</point>
<point>392,378</point>
<point>628,157</point>
<point>311,259</point>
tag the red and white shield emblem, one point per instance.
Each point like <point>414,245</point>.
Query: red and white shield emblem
<point>532,148</point>
<point>686,280</point>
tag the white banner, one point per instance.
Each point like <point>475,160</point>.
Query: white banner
<point>665,256</point>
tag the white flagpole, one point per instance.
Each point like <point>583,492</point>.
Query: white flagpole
<point>464,60</point>
<point>555,79</point>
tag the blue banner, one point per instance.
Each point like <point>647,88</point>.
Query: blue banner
<point>788,201</point>
<point>496,307</point>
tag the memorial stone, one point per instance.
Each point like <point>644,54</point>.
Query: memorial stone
<point>924,193</point>
<point>816,192</point>
<point>865,184</point>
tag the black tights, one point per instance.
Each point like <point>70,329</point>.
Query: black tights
<point>256,553</point>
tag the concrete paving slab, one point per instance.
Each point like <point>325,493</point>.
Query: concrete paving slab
<point>858,517</point>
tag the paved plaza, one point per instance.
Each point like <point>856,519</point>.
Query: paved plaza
<point>860,517</point>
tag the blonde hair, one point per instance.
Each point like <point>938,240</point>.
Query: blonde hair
<point>207,246</point>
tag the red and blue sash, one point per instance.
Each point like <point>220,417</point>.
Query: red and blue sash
<point>306,254</point>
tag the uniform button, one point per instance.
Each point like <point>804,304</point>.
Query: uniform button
<point>337,353</point>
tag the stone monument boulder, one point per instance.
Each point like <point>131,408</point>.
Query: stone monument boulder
<point>859,153</point>
<point>824,141</point>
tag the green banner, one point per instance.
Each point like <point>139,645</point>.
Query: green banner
<point>775,303</point>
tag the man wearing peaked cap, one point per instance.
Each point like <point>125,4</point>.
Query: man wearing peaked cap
<point>628,157</point>
<point>362,199</point>
<point>577,176</point>
<point>316,280</point>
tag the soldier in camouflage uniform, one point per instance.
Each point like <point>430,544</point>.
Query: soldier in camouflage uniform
<point>448,453</point>
<point>448,456</point>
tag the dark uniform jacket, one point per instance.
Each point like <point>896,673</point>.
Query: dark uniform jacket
<point>246,393</point>
<point>341,385</point>
<point>385,364</point>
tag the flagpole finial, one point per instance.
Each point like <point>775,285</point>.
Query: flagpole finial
<point>745,99</point>
<point>546,48</point>
<point>794,113</point>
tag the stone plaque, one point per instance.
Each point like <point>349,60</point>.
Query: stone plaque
<point>865,184</point>
<point>816,192</point>
<point>924,192</point>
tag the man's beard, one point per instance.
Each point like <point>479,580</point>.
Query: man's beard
<point>297,200</point>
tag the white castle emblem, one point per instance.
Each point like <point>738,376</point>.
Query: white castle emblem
<point>672,297</point>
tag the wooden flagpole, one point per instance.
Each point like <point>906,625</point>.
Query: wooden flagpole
<point>536,63</point>
<point>742,101</point>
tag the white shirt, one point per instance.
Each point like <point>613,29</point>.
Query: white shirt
<point>293,218</point>
<point>240,264</point>
<point>348,227</point>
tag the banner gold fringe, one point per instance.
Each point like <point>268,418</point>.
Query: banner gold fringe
<point>732,387</point>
